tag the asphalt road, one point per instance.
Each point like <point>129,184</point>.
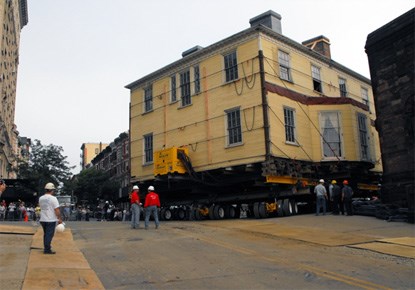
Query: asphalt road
<point>299,252</point>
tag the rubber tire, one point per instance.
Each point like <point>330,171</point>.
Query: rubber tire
<point>181,214</point>
<point>286,207</point>
<point>166,214</point>
<point>280,211</point>
<point>211,212</point>
<point>256,210</point>
<point>262,209</point>
<point>294,207</point>
<point>219,212</point>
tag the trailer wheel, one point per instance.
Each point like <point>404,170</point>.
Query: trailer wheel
<point>166,214</point>
<point>294,206</point>
<point>197,214</point>
<point>286,207</point>
<point>211,214</point>
<point>262,209</point>
<point>256,210</point>
<point>219,212</point>
<point>181,214</point>
<point>230,212</point>
<point>280,210</point>
<point>238,212</point>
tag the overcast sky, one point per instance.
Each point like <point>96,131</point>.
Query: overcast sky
<point>76,56</point>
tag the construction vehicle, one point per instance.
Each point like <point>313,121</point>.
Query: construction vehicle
<point>225,192</point>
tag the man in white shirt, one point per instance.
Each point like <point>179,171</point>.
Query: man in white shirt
<point>49,215</point>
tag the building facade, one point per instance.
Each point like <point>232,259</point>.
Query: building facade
<point>13,17</point>
<point>258,98</point>
<point>89,152</point>
<point>391,55</point>
<point>114,159</point>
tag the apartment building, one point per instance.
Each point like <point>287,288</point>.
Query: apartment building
<point>114,159</point>
<point>13,17</point>
<point>89,152</point>
<point>259,100</point>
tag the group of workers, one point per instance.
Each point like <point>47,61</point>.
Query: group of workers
<point>341,198</point>
<point>151,206</point>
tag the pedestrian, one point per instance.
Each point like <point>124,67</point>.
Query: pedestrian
<point>2,186</point>
<point>2,211</point>
<point>321,195</point>
<point>347,193</point>
<point>135,207</point>
<point>49,215</point>
<point>336,197</point>
<point>151,206</point>
<point>105,209</point>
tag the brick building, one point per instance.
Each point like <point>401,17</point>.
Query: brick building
<point>390,51</point>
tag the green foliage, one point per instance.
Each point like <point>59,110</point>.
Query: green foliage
<point>92,184</point>
<point>46,164</point>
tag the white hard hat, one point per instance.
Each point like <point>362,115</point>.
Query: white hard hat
<point>135,187</point>
<point>50,186</point>
<point>321,180</point>
<point>151,188</point>
<point>60,228</point>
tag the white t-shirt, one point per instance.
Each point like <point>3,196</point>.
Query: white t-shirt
<point>48,203</point>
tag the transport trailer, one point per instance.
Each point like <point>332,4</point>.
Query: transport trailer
<point>223,192</point>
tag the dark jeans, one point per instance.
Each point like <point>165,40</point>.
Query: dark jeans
<point>337,204</point>
<point>348,205</point>
<point>48,233</point>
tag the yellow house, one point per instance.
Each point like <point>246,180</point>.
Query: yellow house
<point>260,101</point>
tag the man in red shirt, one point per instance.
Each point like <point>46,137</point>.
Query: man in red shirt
<point>151,206</point>
<point>135,208</point>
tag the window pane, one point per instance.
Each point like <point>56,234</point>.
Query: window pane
<point>331,134</point>
<point>289,125</point>
<point>197,79</point>
<point>284,62</point>
<point>148,99</point>
<point>148,148</point>
<point>363,136</point>
<point>342,87</point>
<point>234,127</point>
<point>185,88</point>
<point>173,88</point>
<point>231,67</point>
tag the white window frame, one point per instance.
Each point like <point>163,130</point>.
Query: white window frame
<point>343,87</point>
<point>290,125</point>
<point>316,77</point>
<point>284,65</point>
<point>365,96</point>
<point>327,138</point>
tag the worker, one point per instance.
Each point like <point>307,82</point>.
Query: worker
<point>135,208</point>
<point>151,206</point>
<point>347,193</point>
<point>321,197</point>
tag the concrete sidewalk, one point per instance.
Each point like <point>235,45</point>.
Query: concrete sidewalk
<point>68,269</point>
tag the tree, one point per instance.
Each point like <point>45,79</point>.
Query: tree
<point>92,184</point>
<point>46,164</point>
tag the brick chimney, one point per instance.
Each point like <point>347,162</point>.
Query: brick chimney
<point>320,44</point>
<point>269,19</point>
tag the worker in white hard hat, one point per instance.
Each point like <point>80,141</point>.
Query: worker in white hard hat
<point>49,215</point>
<point>151,206</point>
<point>321,197</point>
<point>135,207</point>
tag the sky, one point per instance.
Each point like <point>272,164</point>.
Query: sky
<point>77,56</point>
